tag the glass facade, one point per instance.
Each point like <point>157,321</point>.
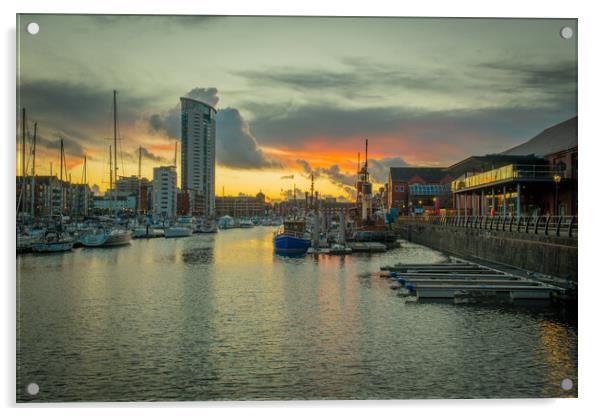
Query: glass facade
<point>506,173</point>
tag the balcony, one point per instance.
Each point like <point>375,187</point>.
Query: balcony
<point>508,173</point>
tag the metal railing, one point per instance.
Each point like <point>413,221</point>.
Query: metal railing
<point>560,225</point>
<point>508,172</point>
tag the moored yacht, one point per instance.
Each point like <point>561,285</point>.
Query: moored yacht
<point>103,236</point>
<point>178,231</point>
<point>182,228</point>
<point>206,227</point>
<point>53,242</point>
<point>246,223</point>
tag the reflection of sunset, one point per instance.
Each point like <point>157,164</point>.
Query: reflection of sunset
<point>558,352</point>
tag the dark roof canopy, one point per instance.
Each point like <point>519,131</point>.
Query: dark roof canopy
<point>488,162</point>
<point>404,174</point>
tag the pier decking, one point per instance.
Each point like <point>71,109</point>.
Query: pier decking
<point>462,280</point>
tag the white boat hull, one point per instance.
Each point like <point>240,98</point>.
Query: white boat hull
<point>111,239</point>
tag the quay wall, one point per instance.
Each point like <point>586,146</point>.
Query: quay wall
<point>551,255</point>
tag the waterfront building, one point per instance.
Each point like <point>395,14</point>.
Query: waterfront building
<point>418,190</point>
<point>81,200</point>
<point>164,192</point>
<point>538,177</point>
<point>330,207</point>
<point>116,201</point>
<point>52,197</point>
<point>241,206</point>
<point>132,185</point>
<point>198,151</point>
<point>333,208</point>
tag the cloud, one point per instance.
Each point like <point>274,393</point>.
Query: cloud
<point>359,78</point>
<point>288,193</point>
<point>379,168</point>
<point>72,147</point>
<point>146,155</point>
<point>419,135</point>
<point>206,95</point>
<point>236,147</point>
<point>169,122</point>
<point>79,113</point>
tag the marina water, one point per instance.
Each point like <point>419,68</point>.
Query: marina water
<point>220,317</point>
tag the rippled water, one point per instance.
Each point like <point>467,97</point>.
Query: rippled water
<point>220,317</point>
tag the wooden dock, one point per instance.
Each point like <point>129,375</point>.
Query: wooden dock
<point>465,282</point>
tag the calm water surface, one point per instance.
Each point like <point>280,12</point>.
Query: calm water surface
<point>220,317</point>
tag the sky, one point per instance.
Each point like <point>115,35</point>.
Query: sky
<point>295,95</point>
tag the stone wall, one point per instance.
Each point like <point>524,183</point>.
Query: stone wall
<point>551,255</point>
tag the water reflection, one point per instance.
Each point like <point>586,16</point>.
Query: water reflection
<point>221,317</point>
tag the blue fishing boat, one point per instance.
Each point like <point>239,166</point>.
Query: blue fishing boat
<point>290,238</point>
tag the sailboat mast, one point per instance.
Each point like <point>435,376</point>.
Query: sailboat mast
<point>61,179</point>
<point>23,145</point>
<point>49,205</point>
<point>140,179</point>
<point>110,181</point>
<point>115,131</point>
<point>85,187</point>
<point>23,173</point>
<point>114,148</point>
<point>33,171</point>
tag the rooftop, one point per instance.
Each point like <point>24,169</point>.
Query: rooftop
<point>554,139</point>
<point>405,173</point>
<point>194,100</point>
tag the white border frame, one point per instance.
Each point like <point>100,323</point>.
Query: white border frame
<point>589,138</point>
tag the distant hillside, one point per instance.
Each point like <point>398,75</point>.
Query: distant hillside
<point>562,136</point>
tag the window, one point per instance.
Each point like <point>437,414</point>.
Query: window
<point>399,188</point>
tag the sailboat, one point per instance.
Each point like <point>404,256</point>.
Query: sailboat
<point>106,235</point>
<point>207,226</point>
<point>53,242</point>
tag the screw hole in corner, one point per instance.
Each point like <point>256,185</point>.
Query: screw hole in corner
<point>33,28</point>
<point>566,32</point>
<point>33,389</point>
<point>566,384</point>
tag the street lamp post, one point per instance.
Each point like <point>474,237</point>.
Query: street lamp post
<point>556,182</point>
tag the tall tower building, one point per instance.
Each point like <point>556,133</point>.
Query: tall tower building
<point>165,192</point>
<point>198,151</point>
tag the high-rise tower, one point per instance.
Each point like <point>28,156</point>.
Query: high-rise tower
<point>198,151</point>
